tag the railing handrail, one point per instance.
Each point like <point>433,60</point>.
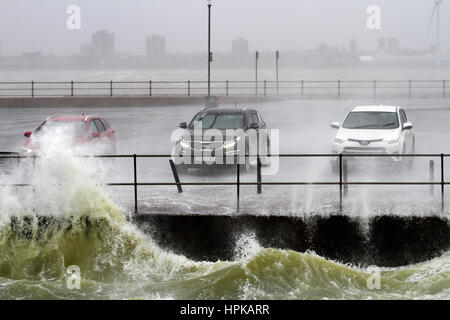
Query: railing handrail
<point>337,87</point>
<point>343,182</point>
<point>281,155</point>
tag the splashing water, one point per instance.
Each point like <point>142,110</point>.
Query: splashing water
<point>67,219</point>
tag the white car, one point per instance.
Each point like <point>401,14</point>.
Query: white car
<point>374,129</point>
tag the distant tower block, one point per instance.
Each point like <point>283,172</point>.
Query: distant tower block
<point>156,47</point>
<point>381,45</point>
<point>102,45</point>
<point>354,46</point>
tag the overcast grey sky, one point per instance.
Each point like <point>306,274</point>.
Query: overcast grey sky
<point>27,25</point>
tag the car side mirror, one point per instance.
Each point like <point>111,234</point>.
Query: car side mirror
<point>183,125</point>
<point>95,135</point>
<point>27,134</point>
<point>254,126</point>
<point>407,126</point>
<point>336,125</point>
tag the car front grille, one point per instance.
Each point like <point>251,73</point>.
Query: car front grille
<point>364,150</point>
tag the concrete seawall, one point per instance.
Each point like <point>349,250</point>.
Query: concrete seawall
<point>124,101</point>
<point>382,240</point>
<point>387,241</point>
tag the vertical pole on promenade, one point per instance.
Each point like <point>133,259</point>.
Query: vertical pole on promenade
<point>209,48</point>
<point>345,176</point>
<point>277,57</point>
<point>135,185</point>
<point>442,182</point>
<point>256,72</point>
<point>374,88</point>
<point>431,177</point>
<point>340,183</point>
<point>238,184</point>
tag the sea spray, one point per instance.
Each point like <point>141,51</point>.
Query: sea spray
<point>67,219</point>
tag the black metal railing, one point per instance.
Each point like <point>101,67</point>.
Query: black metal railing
<point>263,88</point>
<point>342,181</point>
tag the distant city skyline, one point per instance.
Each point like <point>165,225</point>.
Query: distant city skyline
<point>27,25</point>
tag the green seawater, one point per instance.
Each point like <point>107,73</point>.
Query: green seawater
<point>117,261</point>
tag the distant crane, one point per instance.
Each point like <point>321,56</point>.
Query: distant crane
<point>436,10</point>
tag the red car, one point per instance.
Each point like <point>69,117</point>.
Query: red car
<point>83,131</point>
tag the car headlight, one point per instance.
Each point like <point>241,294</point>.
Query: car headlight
<point>185,144</point>
<point>391,139</point>
<point>340,139</point>
<point>231,143</point>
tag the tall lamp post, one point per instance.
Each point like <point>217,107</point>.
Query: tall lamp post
<point>209,48</point>
<point>256,72</point>
<point>277,56</point>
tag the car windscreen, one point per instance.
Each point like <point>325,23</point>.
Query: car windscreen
<point>371,120</point>
<point>73,128</point>
<point>219,120</point>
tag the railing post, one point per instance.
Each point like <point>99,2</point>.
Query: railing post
<point>340,182</point>
<point>302,88</point>
<point>135,184</point>
<point>175,176</point>
<point>238,184</point>
<point>227,88</point>
<point>442,183</point>
<point>150,88</point>
<point>111,88</point>
<point>374,88</point>
<point>431,177</point>
<point>258,175</point>
<point>443,88</point>
<point>32,89</point>
<point>345,176</point>
<point>71,88</point>
<point>339,88</point>
<point>265,88</point>
<point>410,89</point>
<point>189,87</point>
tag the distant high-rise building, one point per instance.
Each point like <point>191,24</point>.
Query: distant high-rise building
<point>156,47</point>
<point>381,45</point>
<point>239,48</point>
<point>393,45</point>
<point>103,45</point>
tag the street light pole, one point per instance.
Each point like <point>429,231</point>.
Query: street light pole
<point>256,72</point>
<point>209,48</point>
<point>277,56</point>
